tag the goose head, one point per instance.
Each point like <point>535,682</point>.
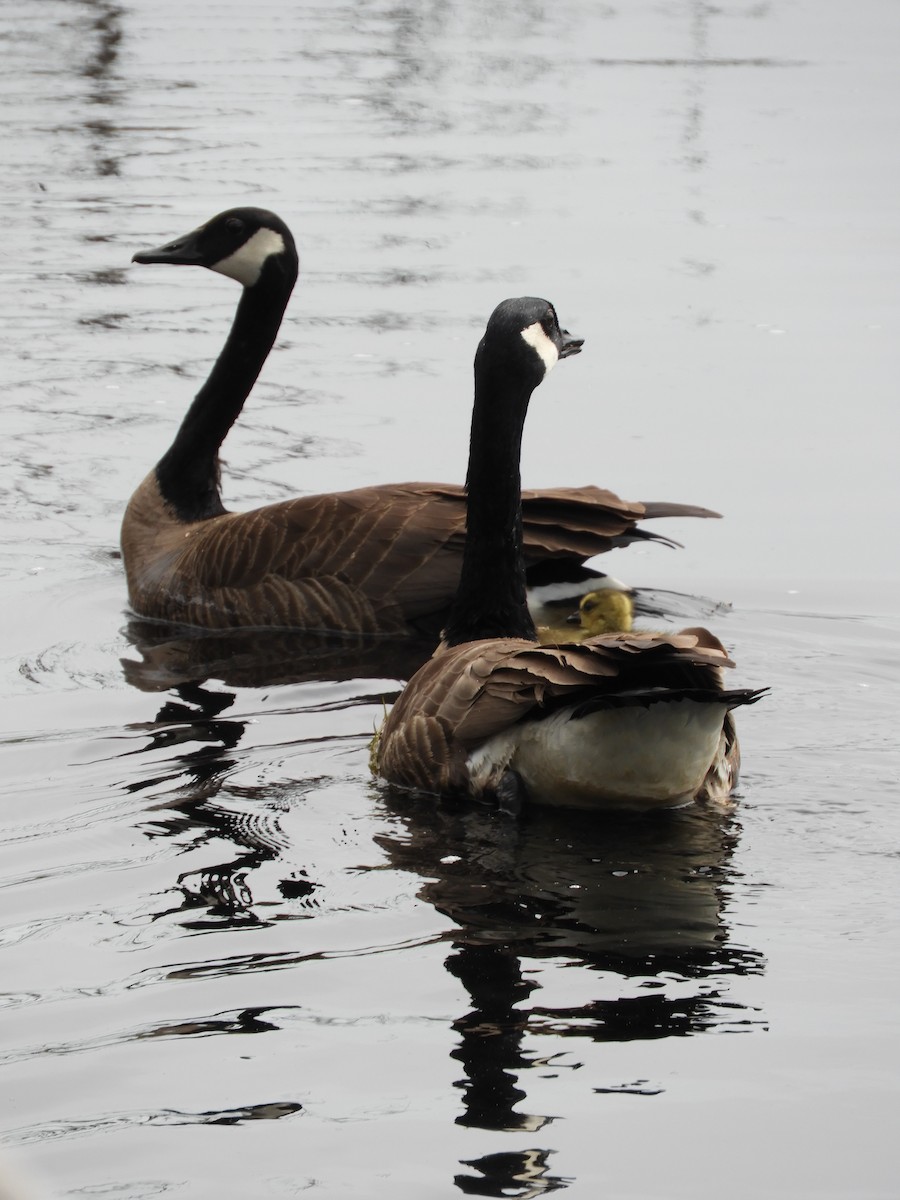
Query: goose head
<point>523,339</point>
<point>242,243</point>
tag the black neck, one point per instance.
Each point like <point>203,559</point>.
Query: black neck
<point>490,600</point>
<point>188,473</point>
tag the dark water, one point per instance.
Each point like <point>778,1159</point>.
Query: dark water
<point>230,964</point>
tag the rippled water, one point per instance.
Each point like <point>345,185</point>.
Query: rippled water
<point>192,850</point>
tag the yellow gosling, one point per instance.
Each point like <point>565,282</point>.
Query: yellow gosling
<point>605,611</point>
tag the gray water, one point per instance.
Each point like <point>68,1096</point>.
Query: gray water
<point>193,851</point>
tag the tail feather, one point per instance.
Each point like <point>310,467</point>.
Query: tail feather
<point>666,508</point>
<point>644,697</point>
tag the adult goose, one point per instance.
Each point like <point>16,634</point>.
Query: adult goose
<point>632,720</point>
<point>380,559</point>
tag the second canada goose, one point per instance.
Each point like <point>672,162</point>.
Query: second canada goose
<point>371,560</point>
<point>631,720</point>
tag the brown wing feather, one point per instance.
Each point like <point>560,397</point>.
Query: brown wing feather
<point>367,560</point>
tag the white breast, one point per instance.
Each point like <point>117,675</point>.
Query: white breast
<point>640,757</point>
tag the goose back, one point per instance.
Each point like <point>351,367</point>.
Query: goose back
<point>478,712</point>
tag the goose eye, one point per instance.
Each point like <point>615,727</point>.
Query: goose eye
<point>235,224</point>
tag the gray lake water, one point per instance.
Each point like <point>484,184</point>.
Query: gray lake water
<point>698,1005</point>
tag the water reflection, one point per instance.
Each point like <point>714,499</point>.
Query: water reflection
<point>417,92</point>
<point>172,656</point>
<point>635,901</point>
<point>41,1135</point>
<point>253,873</point>
<point>218,894</point>
<point>189,718</point>
<point>99,70</point>
<point>521,1174</point>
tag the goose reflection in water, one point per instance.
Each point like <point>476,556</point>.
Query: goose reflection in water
<point>191,717</point>
<point>173,655</point>
<point>635,904</point>
<point>520,1174</point>
<point>182,662</point>
<point>635,900</point>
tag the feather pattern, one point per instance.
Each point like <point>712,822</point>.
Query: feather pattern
<point>467,695</point>
<point>369,560</point>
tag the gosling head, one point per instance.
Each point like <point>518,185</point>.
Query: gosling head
<point>240,243</point>
<point>606,611</point>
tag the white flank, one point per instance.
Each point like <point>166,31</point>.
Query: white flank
<point>635,757</point>
<point>246,264</point>
<point>574,589</point>
<point>536,337</point>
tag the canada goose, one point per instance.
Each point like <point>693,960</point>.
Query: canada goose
<point>372,560</point>
<point>619,720</point>
<point>609,610</point>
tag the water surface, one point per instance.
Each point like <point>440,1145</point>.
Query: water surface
<point>232,964</point>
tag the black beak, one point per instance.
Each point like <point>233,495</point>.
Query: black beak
<point>184,251</point>
<point>575,617</point>
<point>570,345</point>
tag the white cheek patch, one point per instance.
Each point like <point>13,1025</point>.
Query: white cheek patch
<point>536,337</point>
<point>246,264</point>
